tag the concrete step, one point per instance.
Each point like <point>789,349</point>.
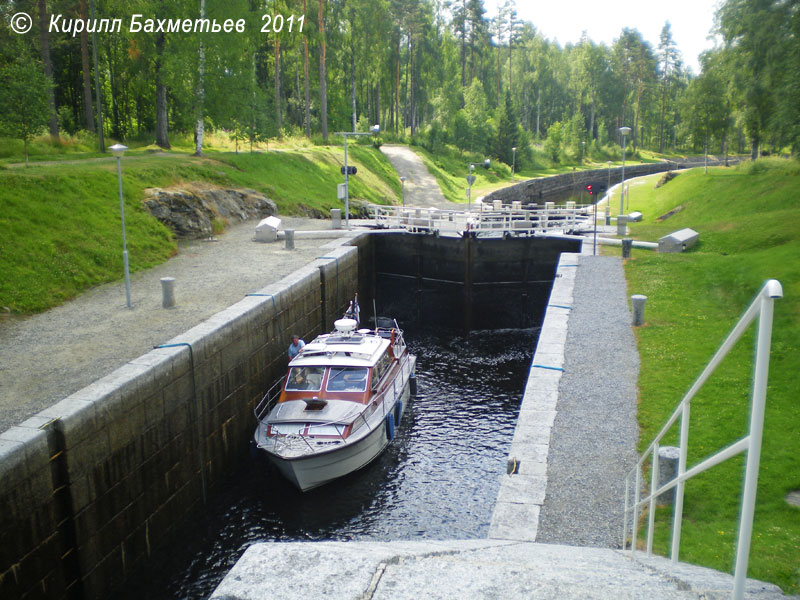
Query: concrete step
<point>466,569</point>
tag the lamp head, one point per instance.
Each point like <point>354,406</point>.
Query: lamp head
<point>375,129</point>
<point>118,150</point>
<point>624,131</point>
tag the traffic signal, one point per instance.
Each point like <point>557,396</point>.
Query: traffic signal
<point>350,170</point>
<point>590,189</point>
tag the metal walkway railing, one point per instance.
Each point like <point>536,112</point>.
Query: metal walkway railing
<point>489,220</point>
<point>762,309</point>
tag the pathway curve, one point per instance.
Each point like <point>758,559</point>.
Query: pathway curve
<point>421,188</point>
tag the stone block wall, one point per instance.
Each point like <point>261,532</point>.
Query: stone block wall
<point>546,189</point>
<point>89,486</point>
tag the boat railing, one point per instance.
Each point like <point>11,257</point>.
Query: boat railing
<point>269,400</point>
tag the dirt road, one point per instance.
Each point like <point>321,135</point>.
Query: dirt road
<point>421,188</point>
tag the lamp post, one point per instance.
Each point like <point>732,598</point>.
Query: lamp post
<point>583,152</point>
<point>403,190</point>
<point>470,181</point>
<point>608,195</point>
<point>374,130</point>
<point>513,162</point>
<point>624,131</point>
<point>118,150</point>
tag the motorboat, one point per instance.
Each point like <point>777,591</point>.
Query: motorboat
<point>340,403</point>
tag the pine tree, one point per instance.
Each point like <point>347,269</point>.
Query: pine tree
<point>507,132</point>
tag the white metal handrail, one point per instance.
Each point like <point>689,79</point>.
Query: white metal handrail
<point>761,308</point>
<point>485,219</point>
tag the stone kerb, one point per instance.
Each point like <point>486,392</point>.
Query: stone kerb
<point>522,494</point>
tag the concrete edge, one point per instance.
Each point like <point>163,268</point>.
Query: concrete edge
<point>522,494</point>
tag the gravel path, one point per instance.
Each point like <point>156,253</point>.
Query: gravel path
<point>46,357</point>
<point>421,188</point>
<point>593,441</point>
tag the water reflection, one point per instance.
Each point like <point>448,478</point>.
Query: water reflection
<point>438,479</point>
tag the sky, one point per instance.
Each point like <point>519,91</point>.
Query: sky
<point>565,20</point>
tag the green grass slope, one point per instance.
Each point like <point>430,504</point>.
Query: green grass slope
<point>749,224</point>
<point>60,221</point>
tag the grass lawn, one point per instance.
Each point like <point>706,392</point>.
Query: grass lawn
<point>60,220</point>
<point>749,224</point>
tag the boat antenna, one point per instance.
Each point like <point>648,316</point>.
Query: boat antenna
<point>375,313</point>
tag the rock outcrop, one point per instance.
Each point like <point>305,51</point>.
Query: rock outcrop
<point>195,210</point>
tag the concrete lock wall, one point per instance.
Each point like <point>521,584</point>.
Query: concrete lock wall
<point>89,486</point>
<point>538,191</point>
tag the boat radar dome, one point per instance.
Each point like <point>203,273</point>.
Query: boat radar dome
<point>345,326</point>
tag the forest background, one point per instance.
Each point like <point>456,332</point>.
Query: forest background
<point>433,72</point>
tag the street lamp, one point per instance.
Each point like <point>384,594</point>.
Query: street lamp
<point>118,150</point>
<point>403,190</point>
<point>583,151</point>
<point>513,161</point>
<point>624,131</point>
<point>374,130</point>
<point>470,181</point>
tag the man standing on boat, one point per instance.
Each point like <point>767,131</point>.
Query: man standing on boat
<point>296,346</point>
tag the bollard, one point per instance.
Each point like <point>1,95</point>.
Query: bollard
<point>167,292</point>
<point>336,218</point>
<point>627,244</point>
<point>622,224</point>
<point>289,233</point>
<point>638,309</point>
<point>667,471</point>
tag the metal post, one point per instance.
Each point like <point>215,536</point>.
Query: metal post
<point>756,433</point>
<point>608,195</point>
<point>651,517</point>
<point>678,510</point>
<point>124,240</point>
<point>594,243</point>
<point>637,495</point>
<point>624,131</point>
<point>346,188</point>
<point>513,162</point>
<point>638,302</point>
<point>625,512</point>
<point>403,189</point>
<point>289,238</point>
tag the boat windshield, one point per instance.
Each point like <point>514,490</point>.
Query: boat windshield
<point>347,379</point>
<point>304,378</point>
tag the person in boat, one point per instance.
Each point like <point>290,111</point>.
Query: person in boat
<point>296,346</point>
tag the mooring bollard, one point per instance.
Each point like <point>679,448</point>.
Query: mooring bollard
<point>627,244</point>
<point>289,236</point>
<point>638,309</point>
<point>667,471</point>
<point>336,218</point>
<point>167,292</point>
<point>622,224</point>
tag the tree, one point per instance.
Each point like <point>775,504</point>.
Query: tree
<point>507,132</point>
<point>24,103</point>
<point>669,58</point>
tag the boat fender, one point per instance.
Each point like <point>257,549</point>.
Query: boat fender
<point>390,426</point>
<point>412,384</point>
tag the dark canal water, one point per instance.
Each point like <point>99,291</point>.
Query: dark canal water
<point>438,479</point>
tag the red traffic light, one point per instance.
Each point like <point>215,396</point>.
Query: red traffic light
<point>590,189</point>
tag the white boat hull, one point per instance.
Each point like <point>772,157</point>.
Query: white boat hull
<point>313,470</point>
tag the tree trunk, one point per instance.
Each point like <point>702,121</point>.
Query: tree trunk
<point>323,85</point>
<point>88,111</point>
<point>162,120</point>
<point>307,111</point>
<point>353,73</point>
<point>200,91</point>
<point>44,31</point>
<point>464,46</point>
<point>98,93</point>
<point>278,119</point>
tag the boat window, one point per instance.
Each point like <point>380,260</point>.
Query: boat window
<point>380,370</point>
<point>304,378</point>
<point>347,379</point>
